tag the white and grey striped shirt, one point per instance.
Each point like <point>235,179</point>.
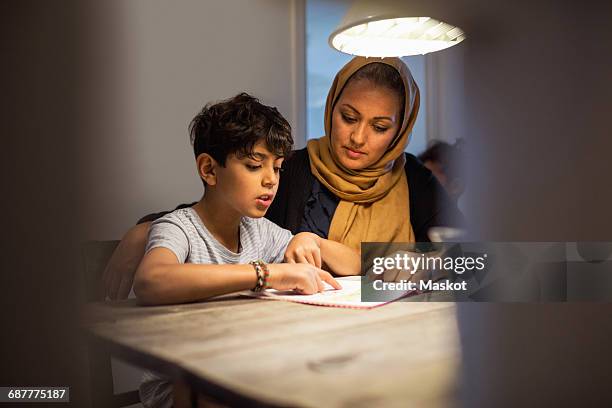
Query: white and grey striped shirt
<point>183,232</point>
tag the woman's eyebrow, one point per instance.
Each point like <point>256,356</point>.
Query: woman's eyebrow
<point>374,118</point>
<point>350,107</point>
<point>382,117</point>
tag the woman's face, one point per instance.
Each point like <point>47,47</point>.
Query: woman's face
<point>364,122</point>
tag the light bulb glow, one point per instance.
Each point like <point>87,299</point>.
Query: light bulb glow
<point>396,37</point>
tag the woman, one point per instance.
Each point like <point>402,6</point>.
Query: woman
<point>355,183</point>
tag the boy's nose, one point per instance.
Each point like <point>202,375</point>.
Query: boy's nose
<point>270,178</point>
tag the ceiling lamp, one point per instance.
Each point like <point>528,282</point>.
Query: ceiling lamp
<point>388,29</point>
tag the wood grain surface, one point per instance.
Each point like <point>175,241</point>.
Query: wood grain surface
<point>257,352</point>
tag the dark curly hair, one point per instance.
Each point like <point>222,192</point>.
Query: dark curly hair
<point>235,125</point>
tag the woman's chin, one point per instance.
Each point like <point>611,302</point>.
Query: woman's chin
<point>352,163</point>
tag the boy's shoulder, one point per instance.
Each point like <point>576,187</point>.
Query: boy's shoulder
<point>187,220</point>
<point>181,216</point>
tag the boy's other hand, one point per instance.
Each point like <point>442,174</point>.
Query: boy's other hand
<point>119,273</point>
<point>301,277</point>
<point>305,247</point>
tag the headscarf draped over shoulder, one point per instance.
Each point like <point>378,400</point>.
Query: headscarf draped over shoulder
<point>374,202</point>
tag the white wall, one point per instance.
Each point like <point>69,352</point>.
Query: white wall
<point>151,66</point>
<point>445,94</point>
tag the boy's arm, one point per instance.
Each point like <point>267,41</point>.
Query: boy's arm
<point>161,279</point>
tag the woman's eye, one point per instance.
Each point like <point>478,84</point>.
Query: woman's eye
<point>380,129</point>
<point>253,167</point>
<point>278,169</point>
<point>349,119</point>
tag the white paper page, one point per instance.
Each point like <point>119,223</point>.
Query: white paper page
<point>349,296</point>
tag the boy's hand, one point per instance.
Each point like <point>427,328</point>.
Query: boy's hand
<point>303,278</point>
<point>305,247</point>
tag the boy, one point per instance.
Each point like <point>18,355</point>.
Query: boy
<point>223,244</point>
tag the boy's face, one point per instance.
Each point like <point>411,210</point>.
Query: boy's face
<point>248,184</point>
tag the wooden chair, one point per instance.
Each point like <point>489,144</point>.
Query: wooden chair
<point>96,255</point>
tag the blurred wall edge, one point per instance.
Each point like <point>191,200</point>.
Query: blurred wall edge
<point>39,340</point>
<point>538,91</point>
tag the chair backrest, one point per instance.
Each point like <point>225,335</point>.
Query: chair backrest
<point>96,255</point>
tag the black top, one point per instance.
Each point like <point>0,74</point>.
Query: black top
<point>318,210</point>
<point>303,204</point>
<point>154,216</point>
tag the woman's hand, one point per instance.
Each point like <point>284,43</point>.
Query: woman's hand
<point>301,277</point>
<point>119,273</point>
<point>305,247</point>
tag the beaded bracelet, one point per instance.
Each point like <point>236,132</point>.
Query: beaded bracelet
<point>261,269</point>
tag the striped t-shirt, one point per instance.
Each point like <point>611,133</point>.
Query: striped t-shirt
<point>183,232</point>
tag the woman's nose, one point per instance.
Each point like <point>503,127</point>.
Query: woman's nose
<point>358,136</point>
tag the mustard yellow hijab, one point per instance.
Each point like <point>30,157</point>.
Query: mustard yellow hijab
<point>374,204</point>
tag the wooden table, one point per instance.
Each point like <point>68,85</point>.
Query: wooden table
<point>244,351</point>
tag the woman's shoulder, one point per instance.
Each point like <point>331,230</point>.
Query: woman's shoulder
<point>297,158</point>
<point>412,162</point>
<point>296,167</point>
<point>430,205</point>
<point>293,190</point>
<point>418,175</point>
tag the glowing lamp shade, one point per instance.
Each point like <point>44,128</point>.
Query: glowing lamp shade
<point>386,29</point>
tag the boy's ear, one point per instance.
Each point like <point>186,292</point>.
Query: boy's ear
<point>207,168</point>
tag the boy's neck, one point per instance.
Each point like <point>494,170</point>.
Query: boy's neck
<point>223,225</point>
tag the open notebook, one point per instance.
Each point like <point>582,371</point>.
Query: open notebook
<point>349,296</point>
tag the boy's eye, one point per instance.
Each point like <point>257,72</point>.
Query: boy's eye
<point>253,167</point>
<point>278,169</point>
